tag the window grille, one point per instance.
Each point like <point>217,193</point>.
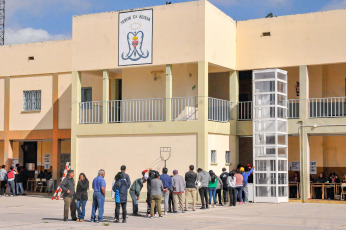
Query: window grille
<point>213,156</point>
<point>228,157</point>
<point>32,100</point>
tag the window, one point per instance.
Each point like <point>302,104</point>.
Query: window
<point>32,100</point>
<point>213,156</point>
<point>228,157</point>
<point>87,94</point>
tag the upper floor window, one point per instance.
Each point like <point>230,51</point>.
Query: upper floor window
<point>32,100</point>
<point>228,157</point>
<point>87,94</point>
<point>213,156</point>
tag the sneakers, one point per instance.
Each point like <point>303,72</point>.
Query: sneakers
<point>124,221</point>
<point>65,219</point>
<point>202,207</point>
<point>240,202</point>
<point>151,217</point>
<point>116,221</point>
<point>160,216</point>
<point>165,213</point>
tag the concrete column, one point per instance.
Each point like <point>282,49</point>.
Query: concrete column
<point>76,99</point>
<point>304,92</point>
<point>304,165</point>
<point>202,156</point>
<point>169,93</point>
<point>234,93</point>
<point>105,96</point>
<point>55,158</point>
<point>8,153</point>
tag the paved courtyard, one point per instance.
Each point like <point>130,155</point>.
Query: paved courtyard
<point>33,212</point>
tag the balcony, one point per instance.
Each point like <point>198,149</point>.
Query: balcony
<point>327,107</point>
<point>153,110</point>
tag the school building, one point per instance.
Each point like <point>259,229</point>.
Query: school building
<point>172,82</point>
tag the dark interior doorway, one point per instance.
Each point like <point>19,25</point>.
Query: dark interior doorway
<point>30,153</point>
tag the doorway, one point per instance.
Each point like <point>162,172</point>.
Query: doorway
<point>30,153</point>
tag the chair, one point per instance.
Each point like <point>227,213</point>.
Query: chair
<point>343,192</point>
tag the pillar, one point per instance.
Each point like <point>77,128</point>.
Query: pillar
<point>8,153</point>
<point>202,156</point>
<point>304,92</point>
<point>76,99</point>
<point>105,96</point>
<point>234,93</point>
<point>169,93</point>
<point>304,165</point>
<point>55,158</point>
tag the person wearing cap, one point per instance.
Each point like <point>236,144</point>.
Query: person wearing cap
<point>239,185</point>
<point>68,189</point>
<point>224,175</point>
<point>135,192</point>
<point>245,181</point>
<point>178,190</point>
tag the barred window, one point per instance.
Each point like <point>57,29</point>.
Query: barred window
<point>213,156</point>
<point>228,157</point>
<point>32,100</point>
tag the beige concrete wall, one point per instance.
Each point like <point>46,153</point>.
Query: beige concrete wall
<point>305,39</point>
<point>65,146</point>
<point>221,143</point>
<point>219,85</point>
<point>2,153</point>
<point>93,79</point>
<point>31,120</point>
<point>178,33</point>
<point>65,94</point>
<point>220,40</point>
<point>50,57</point>
<point>185,80</point>
<point>136,152</point>
<point>335,148</point>
<point>2,103</point>
<point>334,80</point>
<point>292,78</point>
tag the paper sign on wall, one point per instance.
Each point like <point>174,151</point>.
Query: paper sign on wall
<point>295,166</point>
<point>47,161</point>
<point>313,167</point>
<point>135,41</point>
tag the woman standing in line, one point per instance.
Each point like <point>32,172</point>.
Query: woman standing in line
<point>231,184</point>
<point>120,188</point>
<point>239,185</point>
<point>212,187</point>
<point>82,196</point>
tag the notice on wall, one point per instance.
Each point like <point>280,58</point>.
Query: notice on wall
<point>313,167</point>
<point>135,40</point>
<point>47,161</point>
<point>295,166</point>
<point>14,162</point>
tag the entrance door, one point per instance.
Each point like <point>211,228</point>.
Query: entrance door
<point>30,152</point>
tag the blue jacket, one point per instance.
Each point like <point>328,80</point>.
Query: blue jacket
<point>246,176</point>
<point>166,181</point>
<point>120,189</point>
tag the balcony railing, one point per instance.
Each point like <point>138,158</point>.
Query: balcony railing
<point>219,110</point>
<point>136,110</point>
<point>293,109</point>
<point>90,112</point>
<point>184,108</point>
<point>327,107</point>
<point>245,110</point>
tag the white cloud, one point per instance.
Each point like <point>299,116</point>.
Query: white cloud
<point>28,35</point>
<point>335,4</point>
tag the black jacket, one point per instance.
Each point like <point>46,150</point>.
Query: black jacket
<point>122,186</point>
<point>223,177</point>
<point>190,178</point>
<point>127,178</point>
<point>82,190</point>
<point>68,184</point>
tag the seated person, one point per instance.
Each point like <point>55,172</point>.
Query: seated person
<point>318,191</point>
<point>333,178</point>
<point>293,189</point>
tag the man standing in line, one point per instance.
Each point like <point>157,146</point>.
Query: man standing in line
<point>99,186</point>
<point>245,182</point>
<point>223,177</point>
<point>125,176</point>
<point>178,190</point>
<point>10,181</point>
<point>167,185</point>
<point>68,188</point>
<point>190,179</point>
<point>204,178</point>
<point>3,177</point>
<point>135,192</point>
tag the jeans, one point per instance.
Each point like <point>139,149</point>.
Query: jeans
<point>3,188</point>
<point>204,196</point>
<point>155,201</point>
<point>166,199</point>
<point>212,194</point>
<point>218,195</point>
<point>171,202</point>
<point>134,202</point>
<point>81,209</point>
<point>232,196</point>
<point>69,203</point>
<point>10,186</point>
<point>117,210</point>
<point>193,195</point>
<point>19,186</point>
<point>98,203</point>
<point>225,194</point>
<point>239,193</point>
<point>246,192</point>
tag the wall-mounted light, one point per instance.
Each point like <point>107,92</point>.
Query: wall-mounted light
<point>157,74</point>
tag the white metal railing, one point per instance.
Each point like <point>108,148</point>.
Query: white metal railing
<point>245,110</point>
<point>327,107</point>
<point>136,110</point>
<point>184,108</point>
<point>293,108</point>
<point>219,110</point>
<point>90,112</point>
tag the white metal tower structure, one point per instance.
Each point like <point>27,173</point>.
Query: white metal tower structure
<point>2,22</point>
<point>270,138</point>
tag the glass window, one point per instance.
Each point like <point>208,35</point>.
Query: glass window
<point>265,87</point>
<point>87,94</point>
<point>228,157</point>
<point>32,100</point>
<point>213,156</point>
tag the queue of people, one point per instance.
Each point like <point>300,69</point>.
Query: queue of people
<point>160,187</point>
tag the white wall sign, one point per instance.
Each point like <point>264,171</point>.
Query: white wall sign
<point>47,161</point>
<point>295,166</point>
<point>135,38</point>
<point>313,167</point>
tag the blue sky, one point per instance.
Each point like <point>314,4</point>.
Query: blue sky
<point>41,20</point>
